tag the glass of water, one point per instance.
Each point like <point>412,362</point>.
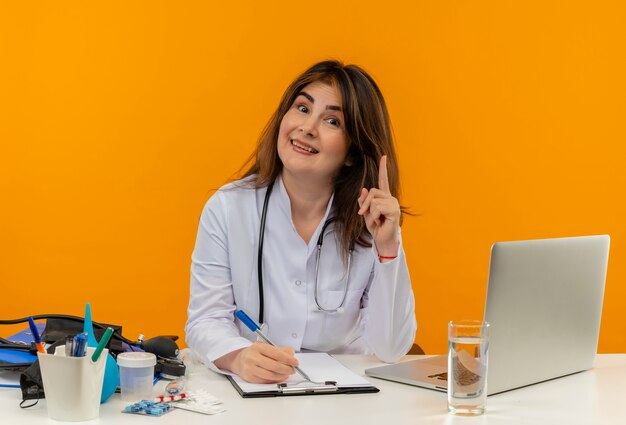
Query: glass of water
<point>468,349</point>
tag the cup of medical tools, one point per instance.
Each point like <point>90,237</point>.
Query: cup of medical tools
<point>468,349</point>
<point>73,385</point>
<point>136,375</point>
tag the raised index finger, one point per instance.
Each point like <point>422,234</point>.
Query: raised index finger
<point>383,179</point>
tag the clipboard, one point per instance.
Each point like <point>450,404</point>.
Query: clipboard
<point>336,378</point>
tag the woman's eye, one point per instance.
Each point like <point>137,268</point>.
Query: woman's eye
<point>334,121</point>
<point>302,108</point>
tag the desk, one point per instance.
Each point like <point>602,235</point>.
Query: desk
<point>596,396</point>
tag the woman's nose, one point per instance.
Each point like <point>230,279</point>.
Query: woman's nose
<point>309,127</point>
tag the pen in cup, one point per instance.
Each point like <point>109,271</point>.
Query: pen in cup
<point>69,346</point>
<point>251,324</point>
<point>36,336</point>
<point>79,345</point>
<point>103,343</point>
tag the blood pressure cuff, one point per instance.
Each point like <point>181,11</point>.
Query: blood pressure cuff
<point>58,329</point>
<point>55,332</point>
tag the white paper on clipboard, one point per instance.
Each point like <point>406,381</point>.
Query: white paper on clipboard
<point>320,367</point>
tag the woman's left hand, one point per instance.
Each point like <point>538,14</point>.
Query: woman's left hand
<point>381,212</point>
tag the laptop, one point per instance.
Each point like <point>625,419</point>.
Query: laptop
<point>544,304</point>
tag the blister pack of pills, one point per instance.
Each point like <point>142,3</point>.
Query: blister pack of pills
<point>148,408</point>
<point>200,401</point>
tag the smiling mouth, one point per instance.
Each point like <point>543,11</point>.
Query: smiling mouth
<point>303,147</point>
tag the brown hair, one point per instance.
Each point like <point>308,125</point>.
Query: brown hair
<point>368,131</point>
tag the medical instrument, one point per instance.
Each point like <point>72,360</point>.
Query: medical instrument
<point>161,346</point>
<point>241,315</point>
<point>320,241</point>
<point>164,348</point>
<point>111,371</point>
<point>170,369</point>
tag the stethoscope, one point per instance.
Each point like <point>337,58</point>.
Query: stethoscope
<point>320,241</point>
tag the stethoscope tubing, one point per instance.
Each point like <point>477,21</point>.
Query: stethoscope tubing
<point>260,252</point>
<point>318,253</point>
<point>320,241</point>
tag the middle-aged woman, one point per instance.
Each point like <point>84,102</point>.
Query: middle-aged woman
<point>324,166</point>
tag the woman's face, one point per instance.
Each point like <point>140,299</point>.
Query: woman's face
<point>312,140</point>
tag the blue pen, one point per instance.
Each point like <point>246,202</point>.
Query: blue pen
<point>251,324</point>
<point>36,336</point>
<point>80,345</point>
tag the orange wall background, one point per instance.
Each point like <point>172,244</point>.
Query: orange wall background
<point>117,120</point>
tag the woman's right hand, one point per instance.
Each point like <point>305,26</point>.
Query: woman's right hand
<point>260,363</point>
